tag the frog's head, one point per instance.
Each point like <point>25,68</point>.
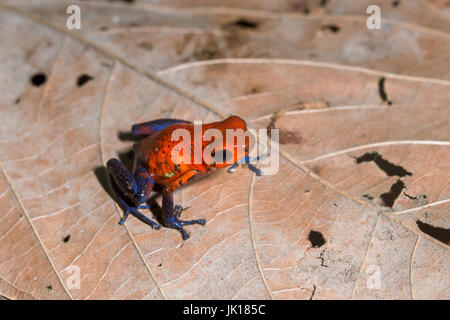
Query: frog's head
<point>234,146</point>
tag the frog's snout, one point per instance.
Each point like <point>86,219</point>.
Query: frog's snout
<point>235,122</point>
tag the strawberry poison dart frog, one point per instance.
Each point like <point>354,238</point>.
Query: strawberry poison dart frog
<point>154,164</point>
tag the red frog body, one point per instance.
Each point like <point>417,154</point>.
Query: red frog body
<point>173,153</point>
<point>157,151</point>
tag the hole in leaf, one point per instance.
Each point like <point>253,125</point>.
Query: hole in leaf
<point>367,196</point>
<point>244,23</point>
<point>382,90</point>
<point>83,79</point>
<point>389,168</point>
<point>440,234</point>
<point>390,196</point>
<point>38,79</point>
<point>331,27</point>
<point>316,238</point>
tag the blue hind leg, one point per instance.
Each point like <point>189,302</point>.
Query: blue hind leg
<point>127,209</point>
<point>137,187</point>
<point>150,127</point>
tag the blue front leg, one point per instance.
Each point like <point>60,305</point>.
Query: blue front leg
<point>136,187</point>
<point>171,215</point>
<point>246,160</point>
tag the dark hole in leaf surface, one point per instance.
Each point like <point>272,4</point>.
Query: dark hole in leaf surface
<point>390,196</point>
<point>331,27</point>
<point>440,234</point>
<point>389,168</point>
<point>38,79</point>
<point>83,79</point>
<point>316,238</point>
<point>244,23</point>
<point>382,90</point>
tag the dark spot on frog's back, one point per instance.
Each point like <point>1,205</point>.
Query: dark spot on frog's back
<point>316,238</point>
<point>67,238</point>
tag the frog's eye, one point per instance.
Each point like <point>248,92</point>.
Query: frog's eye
<point>222,156</point>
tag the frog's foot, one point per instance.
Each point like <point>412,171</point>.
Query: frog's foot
<point>174,223</point>
<point>246,160</point>
<point>171,214</point>
<point>134,211</point>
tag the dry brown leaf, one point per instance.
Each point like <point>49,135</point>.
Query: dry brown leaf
<point>363,182</point>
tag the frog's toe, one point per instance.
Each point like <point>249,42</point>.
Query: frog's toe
<point>254,169</point>
<point>178,224</point>
<point>233,167</point>
<point>184,234</point>
<point>124,217</point>
<point>197,221</point>
<point>201,222</point>
<point>178,210</point>
<point>156,226</point>
<point>140,216</point>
